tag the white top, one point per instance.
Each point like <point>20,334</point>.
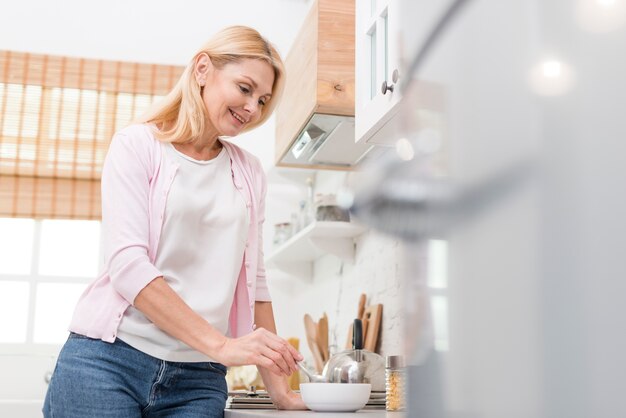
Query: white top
<point>200,253</point>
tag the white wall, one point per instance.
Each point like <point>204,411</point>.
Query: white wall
<point>152,31</point>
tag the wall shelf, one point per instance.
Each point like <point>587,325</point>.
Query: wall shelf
<point>297,254</point>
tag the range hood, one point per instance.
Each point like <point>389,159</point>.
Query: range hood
<point>326,141</point>
<point>315,119</point>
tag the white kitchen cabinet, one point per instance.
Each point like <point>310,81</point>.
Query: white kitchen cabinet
<point>297,254</point>
<point>378,70</point>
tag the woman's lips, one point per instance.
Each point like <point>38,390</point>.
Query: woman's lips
<point>237,117</point>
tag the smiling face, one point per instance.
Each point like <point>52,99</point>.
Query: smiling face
<point>234,95</point>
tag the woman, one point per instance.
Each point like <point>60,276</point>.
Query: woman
<point>183,293</point>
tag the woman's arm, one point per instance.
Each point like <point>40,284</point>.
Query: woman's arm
<point>168,311</point>
<point>277,385</point>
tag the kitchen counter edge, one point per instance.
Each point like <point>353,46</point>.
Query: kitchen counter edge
<point>249,413</point>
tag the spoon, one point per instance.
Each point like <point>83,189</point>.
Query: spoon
<point>313,378</point>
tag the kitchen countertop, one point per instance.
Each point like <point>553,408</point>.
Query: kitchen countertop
<point>250,413</point>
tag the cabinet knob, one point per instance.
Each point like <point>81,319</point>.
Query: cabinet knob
<point>395,76</point>
<point>385,88</point>
<point>389,87</point>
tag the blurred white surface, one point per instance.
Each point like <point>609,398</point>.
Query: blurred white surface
<point>535,304</point>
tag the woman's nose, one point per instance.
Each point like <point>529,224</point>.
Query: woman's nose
<point>252,107</point>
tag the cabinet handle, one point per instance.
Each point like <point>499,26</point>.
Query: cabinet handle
<point>389,87</point>
<point>385,88</point>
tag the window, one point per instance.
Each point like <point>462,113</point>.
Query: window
<point>57,116</point>
<point>77,257</point>
<point>45,265</point>
<point>14,311</point>
<point>16,245</point>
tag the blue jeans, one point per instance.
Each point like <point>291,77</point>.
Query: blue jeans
<point>93,378</point>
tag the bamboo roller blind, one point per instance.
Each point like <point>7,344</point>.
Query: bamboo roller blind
<point>57,117</point>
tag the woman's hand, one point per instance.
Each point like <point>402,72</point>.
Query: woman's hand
<point>261,348</point>
<point>289,400</point>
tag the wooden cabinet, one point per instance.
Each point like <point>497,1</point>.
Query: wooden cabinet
<point>378,63</point>
<point>319,91</point>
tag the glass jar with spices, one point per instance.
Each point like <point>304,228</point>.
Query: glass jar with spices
<point>282,232</point>
<point>395,380</point>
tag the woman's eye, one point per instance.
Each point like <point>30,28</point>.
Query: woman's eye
<point>262,102</point>
<point>244,89</point>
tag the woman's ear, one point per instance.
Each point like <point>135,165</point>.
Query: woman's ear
<point>202,68</point>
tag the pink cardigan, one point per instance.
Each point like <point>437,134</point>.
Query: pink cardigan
<point>136,178</point>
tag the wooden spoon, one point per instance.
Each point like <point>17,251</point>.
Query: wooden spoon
<point>322,337</point>
<point>361,308</point>
<point>310,328</point>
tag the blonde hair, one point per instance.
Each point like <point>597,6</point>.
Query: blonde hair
<point>181,115</point>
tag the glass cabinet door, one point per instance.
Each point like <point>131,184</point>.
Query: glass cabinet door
<point>378,69</point>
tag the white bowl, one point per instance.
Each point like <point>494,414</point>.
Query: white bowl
<point>339,397</point>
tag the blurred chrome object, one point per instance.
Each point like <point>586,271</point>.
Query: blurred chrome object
<point>443,24</point>
<point>398,197</point>
<point>532,305</point>
<point>357,365</point>
<point>400,200</point>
